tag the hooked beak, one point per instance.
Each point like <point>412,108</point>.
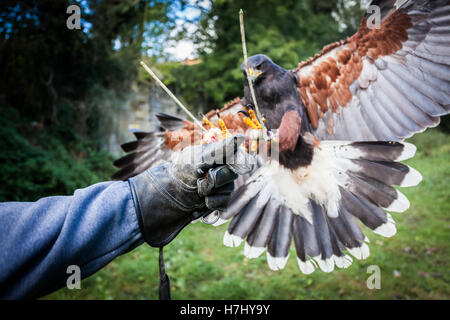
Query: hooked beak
<point>254,73</point>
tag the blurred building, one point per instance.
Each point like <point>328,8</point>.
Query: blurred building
<point>138,113</point>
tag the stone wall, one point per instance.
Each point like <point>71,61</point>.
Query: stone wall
<point>138,114</point>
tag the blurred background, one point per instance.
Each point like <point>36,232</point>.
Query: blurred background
<point>68,98</point>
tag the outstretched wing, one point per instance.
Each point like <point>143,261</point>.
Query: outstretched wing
<point>150,148</point>
<point>382,84</point>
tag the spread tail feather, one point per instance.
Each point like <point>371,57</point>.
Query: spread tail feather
<point>317,207</point>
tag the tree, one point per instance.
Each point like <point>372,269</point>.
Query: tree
<point>59,88</point>
<point>55,75</point>
<point>287,31</point>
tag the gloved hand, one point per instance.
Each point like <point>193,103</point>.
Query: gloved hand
<point>200,181</point>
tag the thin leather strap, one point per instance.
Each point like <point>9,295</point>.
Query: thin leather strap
<point>164,282</point>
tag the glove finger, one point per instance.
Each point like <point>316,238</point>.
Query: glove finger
<point>217,177</point>
<point>205,186</point>
<point>220,152</point>
<point>243,162</point>
<point>217,201</point>
<point>222,176</point>
<point>226,189</point>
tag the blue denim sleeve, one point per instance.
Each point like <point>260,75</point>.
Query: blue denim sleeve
<point>40,240</point>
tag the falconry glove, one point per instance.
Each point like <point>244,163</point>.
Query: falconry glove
<point>200,181</point>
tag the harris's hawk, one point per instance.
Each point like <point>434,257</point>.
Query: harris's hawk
<point>340,119</point>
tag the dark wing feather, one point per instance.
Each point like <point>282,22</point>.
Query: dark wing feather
<point>149,149</point>
<point>142,154</point>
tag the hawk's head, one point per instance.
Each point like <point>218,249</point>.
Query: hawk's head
<point>276,91</point>
<point>261,67</point>
<point>273,84</point>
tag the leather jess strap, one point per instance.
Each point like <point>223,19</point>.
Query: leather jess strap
<point>164,281</point>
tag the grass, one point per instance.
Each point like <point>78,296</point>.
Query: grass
<point>414,263</point>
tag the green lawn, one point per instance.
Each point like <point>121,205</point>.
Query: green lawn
<point>414,263</point>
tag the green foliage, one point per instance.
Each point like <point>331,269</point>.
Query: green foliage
<point>35,162</point>
<point>288,32</point>
<point>201,267</point>
<point>47,68</point>
<point>60,88</point>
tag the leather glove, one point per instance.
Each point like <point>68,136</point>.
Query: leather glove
<point>170,196</point>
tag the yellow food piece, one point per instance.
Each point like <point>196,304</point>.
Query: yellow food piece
<point>249,123</point>
<point>254,119</point>
<point>224,129</point>
<point>207,122</point>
